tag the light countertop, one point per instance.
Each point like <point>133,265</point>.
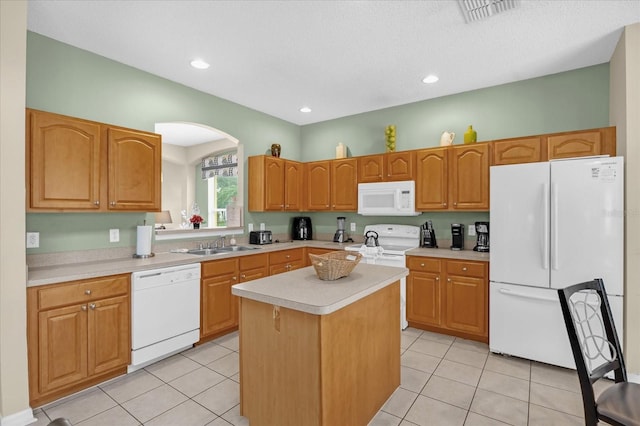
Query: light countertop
<point>303,291</point>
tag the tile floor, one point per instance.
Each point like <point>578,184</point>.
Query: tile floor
<point>445,381</point>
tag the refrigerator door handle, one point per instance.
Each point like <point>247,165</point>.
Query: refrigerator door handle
<point>508,292</point>
<point>545,231</point>
<point>555,258</point>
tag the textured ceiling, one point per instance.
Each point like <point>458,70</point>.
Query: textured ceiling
<point>337,57</point>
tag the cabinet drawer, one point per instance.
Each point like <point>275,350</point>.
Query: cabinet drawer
<point>285,256</point>
<point>82,291</point>
<point>466,268</point>
<point>254,261</point>
<point>219,267</point>
<point>419,263</point>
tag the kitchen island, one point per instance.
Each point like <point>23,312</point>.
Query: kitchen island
<point>316,352</point>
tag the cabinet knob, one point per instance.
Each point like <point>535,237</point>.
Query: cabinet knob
<point>327,205</point>
<point>286,206</point>
<point>87,292</point>
<point>243,276</point>
<point>449,279</point>
<point>444,204</point>
<point>288,256</point>
<point>422,264</point>
<point>92,305</point>
<point>96,203</point>
<point>464,268</point>
<point>282,205</point>
<point>113,203</point>
<point>235,278</point>
<point>83,307</point>
<point>437,278</point>
<point>455,204</point>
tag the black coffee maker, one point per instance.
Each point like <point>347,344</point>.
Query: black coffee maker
<point>482,233</point>
<point>457,236</point>
<point>301,228</point>
<point>428,235</point>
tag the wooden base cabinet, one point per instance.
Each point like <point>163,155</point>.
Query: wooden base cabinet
<point>449,296</point>
<point>78,335</point>
<point>286,260</point>
<point>80,165</point>
<point>219,308</point>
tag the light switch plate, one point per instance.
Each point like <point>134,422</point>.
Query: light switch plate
<point>33,239</point>
<point>250,227</point>
<point>353,227</point>
<point>471,230</point>
<point>262,228</point>
<point>114,235</point>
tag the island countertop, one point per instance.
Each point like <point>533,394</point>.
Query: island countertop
<point>303,291</point>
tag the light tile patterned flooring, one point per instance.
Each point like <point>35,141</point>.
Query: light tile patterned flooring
<point>445,381</point>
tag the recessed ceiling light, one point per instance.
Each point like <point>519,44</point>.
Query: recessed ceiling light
<point>200,64</point>
<point>430,79</point>
<point>305,109</point>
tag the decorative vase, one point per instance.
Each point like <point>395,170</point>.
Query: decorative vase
<point>196,226</point>
<point>275,149</point>
<point>470,136</point>
<point>390,137</point>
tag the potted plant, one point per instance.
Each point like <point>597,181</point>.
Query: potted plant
<point>196,220</point>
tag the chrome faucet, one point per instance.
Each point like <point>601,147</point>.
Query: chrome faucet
<point>221,240</point>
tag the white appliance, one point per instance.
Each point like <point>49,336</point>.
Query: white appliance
<point>393,242</point>
<point>553,224</point>
<point>387,198</point>
<point>165,312</point>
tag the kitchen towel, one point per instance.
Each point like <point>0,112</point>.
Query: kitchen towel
<point>143,244</point>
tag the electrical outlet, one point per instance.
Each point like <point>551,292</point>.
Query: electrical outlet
<point>353,227</point>
<point>250,227</point>
<point>262,228</point>
<point>33,239</point>
<point>471,230</point>
<point>114,235</point>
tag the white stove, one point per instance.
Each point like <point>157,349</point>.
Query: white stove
<point>393,242</point>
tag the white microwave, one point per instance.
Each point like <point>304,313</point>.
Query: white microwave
<point>387,198</point>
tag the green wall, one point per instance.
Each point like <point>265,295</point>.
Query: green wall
<point>67,80</point>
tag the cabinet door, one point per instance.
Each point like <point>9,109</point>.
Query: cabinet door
<point>286,267</point>
<point>134,170</point>
<point>469,177</point>
<point>319,185</point>
<point>293,184</point>
<point>432,179</point>
<point>108,334</point>
<point>219,306</point>
<point>574,144</point>
<point>344,185</point>
<point>400,165</point>
<point>371,168</point>
<point>516,151</point>
<point>62,347</point>
<point>63,162</point>
<point>274,181</point>
<point>466,299</point>
<point>424,298</point>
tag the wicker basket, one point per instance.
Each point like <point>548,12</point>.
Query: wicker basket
<point>333,265</point>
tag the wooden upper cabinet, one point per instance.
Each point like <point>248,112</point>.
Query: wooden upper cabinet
<point>275,184</point>
<point>344,184</point>
<point>516,151</point>
<point>135,160</point>
<point>293,184</point>
<point>582,143</point>
<point>400,165</point>
<point>371,168</point>
<point>469,177</point>
<point>432,189</point>
<point>80,165</point>
<point>63,162</point>
<point>318,185</point>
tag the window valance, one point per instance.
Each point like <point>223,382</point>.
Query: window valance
<point>220,165</point>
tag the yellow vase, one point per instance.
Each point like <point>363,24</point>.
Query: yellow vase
<point>470,136</point>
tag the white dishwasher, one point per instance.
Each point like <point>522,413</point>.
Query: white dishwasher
<point>165,312</point>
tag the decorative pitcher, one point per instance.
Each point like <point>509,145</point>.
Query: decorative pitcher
<point>447,138</point>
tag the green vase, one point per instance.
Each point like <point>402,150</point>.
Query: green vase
<point>470,136</point>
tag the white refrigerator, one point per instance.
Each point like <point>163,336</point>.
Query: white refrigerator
<point>553,224</point>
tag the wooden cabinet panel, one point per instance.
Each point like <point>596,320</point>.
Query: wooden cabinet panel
<point>432,171</point>
<point>62,347</point>
<point>293,184</point>
<point>63,162</point>
<point>80,165</point>
<point>516,151</point>
<point>574,144</point>
<point>219,267</point>
<point>469,177</point>
<point>219,306</point>
<point>344,185</point>
<point>286,260</point>
<point>253,261</point>
<point>274,182</point>
<point>108,336</point>
<point>400,165</point>
<point>76,343</point>
<point>319,185</point>
<point>448,296</point>
<point>135,160</point>
<point>467,301</point>
<point>371,168</point>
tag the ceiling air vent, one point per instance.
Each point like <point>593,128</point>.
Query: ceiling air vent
<point>477,10</point>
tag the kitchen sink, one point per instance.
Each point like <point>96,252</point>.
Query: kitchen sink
<point>211,251</point>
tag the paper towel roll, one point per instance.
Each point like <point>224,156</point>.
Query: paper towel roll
<point>143,244</point>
